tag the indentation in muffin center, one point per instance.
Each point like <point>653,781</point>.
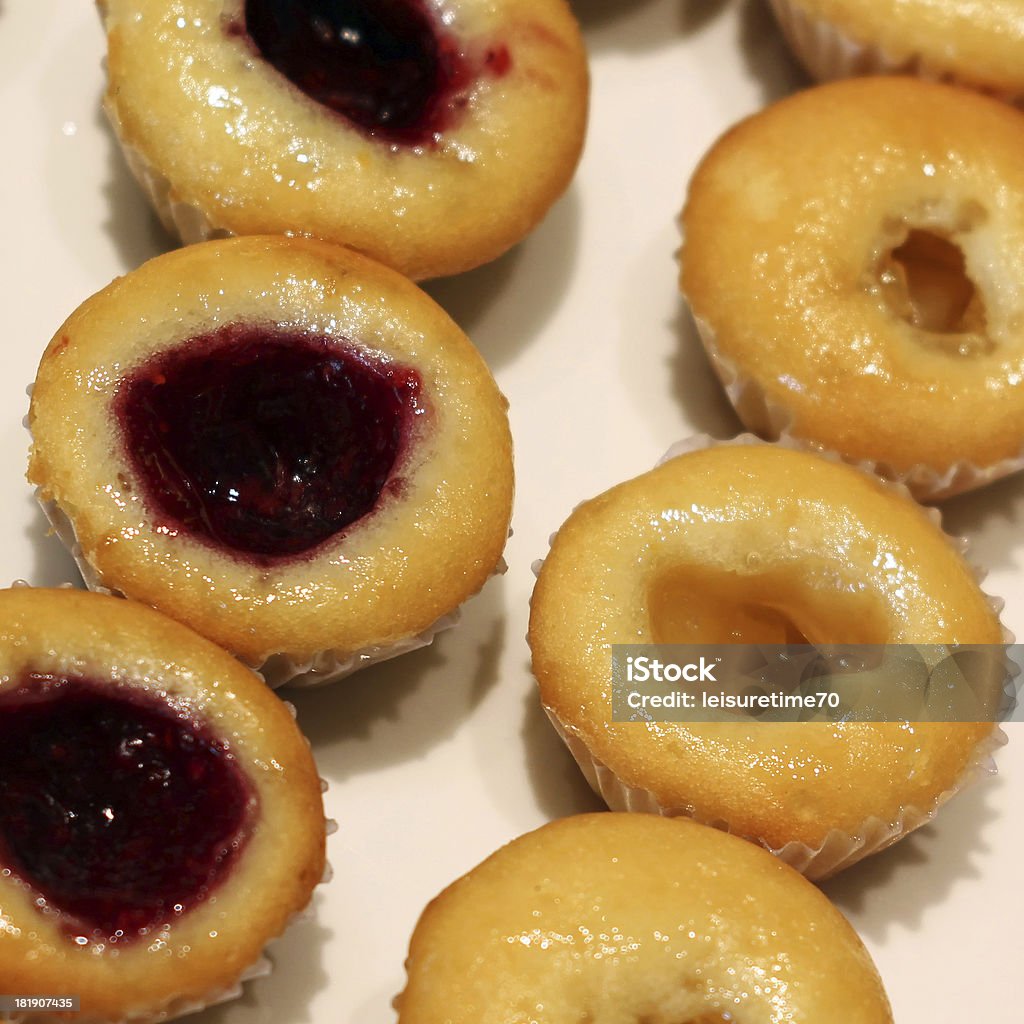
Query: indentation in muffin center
<point>924,281</point>
<point>266,442</point>
<point>700,605</point>
<point>119,812</point>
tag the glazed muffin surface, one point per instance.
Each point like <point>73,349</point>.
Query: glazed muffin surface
<point>126,655</point>
<point>756,544</point>
<point>436,529</point>
<point>219,132</point>
<point>614,917</point>
<point>854,252</point>
<point>977,44</point>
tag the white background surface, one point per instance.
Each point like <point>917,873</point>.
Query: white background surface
<point>439,757</point>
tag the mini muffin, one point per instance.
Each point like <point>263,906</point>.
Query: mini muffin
<point>616,917</point>
<point>978,45</point>
<point>160,813</point>
<point>281,443</point>
<point>429,136</point>
<point>853,257</point>
<point>754,543</point>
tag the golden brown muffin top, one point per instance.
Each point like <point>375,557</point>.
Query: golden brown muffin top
<point>236,139</point>
<point>756,544</point>
<point>632,917</point>
<point>856,251</point>
<point>388,576</point>
<point>123,647</point>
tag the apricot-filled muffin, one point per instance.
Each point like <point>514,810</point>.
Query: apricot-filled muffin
<point>629,917</point>
<point>978,45</point>
<point>759,544</point>
<point>853,257</point>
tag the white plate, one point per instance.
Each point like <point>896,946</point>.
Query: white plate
<point>441,756</point>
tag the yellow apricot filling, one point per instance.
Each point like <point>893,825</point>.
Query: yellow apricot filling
<point>922,278</point>
<point>697,605</point>
<point>862,280</point>
<point>758,544</point>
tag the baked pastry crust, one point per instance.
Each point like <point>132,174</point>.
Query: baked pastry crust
<point>385,578</point>
<point>633,917</point>
<point>230,138</point>
<point>698,551</point>
<point>977,44</point>
<point>790,227</point>
<point>200,955</point>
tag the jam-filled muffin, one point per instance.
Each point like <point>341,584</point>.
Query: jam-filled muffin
<point>160,812</point>
<point>630,917</point>
<point>974,44</point>
<point>853,256</point>
<point>279,442</point>
<point>430,135</point>
<point>759,544</point>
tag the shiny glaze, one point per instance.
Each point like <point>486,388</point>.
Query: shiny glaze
<point>263,442</point>
<point>119,812</point>
<point>388,66</point>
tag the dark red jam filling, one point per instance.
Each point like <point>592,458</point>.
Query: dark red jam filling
<point>264,442</point>
<point>386,65</point>
<point>118,812</point>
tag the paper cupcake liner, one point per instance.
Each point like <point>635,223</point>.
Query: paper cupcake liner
<point>835,853</point>
<point>827,53</point>
<point>282,668</point>
<point>261,967</point>
<point>181,1007</point>
<point>183,220</point>
<point>330,666</point>
<point>773,422</point>
<point>838,850</point>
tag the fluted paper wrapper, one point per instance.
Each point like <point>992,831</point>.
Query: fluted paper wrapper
<point>838,850</point>
<point>183,220</point>
<point>773,422</point>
